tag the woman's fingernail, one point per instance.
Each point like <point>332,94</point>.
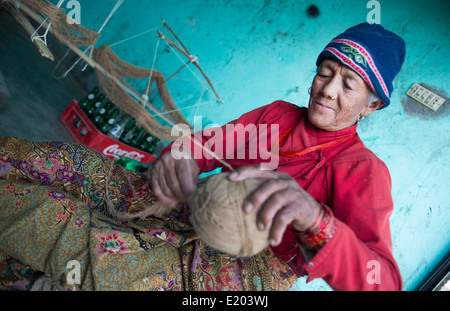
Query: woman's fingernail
<point>272,242</point>
<point>261,226</point>
<point>233,175</point>
<point>248,207</point>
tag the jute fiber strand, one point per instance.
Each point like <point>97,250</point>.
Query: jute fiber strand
<point>113,71</point>
<point>112,64</point>
<point>74,33</point>
<point>218,217</point>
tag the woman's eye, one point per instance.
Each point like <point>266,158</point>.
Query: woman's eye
<point>347,86</point>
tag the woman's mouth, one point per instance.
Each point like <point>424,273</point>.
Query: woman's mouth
<point>323,107</point>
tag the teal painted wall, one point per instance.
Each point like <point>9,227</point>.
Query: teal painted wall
<point>259,51</point>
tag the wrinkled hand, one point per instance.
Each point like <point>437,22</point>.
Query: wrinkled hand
<point>279,201</point>
<point>174,180</point>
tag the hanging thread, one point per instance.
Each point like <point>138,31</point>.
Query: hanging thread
<point>150,79</point>
<point>90,48</point>
<point>117,68</point>
<point>44,36</point>
<point>135,36</point>
<point>190,69</point>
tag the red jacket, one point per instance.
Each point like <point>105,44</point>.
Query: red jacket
<point>347,177</point>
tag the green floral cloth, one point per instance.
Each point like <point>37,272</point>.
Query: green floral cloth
<point>54,220</point>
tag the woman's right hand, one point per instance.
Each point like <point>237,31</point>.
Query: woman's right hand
<point>174,180</point>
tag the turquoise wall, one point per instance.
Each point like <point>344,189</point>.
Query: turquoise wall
<point>259,51</point>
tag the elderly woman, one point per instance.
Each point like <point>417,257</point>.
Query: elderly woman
<point>327,204</point>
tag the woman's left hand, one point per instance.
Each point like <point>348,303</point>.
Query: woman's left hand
<point>279,201</point>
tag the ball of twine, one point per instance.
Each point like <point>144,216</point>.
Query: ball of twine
<point>218,217</point>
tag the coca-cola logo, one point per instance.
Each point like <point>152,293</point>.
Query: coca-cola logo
<point>117,153</point>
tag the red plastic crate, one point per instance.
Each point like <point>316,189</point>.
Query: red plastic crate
<point>95,139</point>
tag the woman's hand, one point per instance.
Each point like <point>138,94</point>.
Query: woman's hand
<point>280,201</point>
<point>174,180</point>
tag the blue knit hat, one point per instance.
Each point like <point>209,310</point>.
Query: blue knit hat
<point>373,52</point>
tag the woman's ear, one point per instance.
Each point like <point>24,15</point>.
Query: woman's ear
<point>374,106</point>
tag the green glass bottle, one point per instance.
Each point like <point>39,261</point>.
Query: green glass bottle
<point>85,103</point>
<point>83,131</point>
<point>128,136</point>
<point>119,126</point>
<point>95,106</point>
<point>136,142</point>
<point>77,122</point>
<point>109,121</point>
<point>146,142</point>
<point>102,113</point>
<point>133,165</point>
<point>152,147</point>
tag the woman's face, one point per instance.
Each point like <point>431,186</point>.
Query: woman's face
<point>338,97</point>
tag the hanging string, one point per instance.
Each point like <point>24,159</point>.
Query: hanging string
<point>200,100</point>
<point>147,90</point>
<point>114,78</point>
<point>43,38</point>
<point>190,69</point>
<point>90,48</point>
<point>185,79</point>
<point>135,36</point>
<point>59,63</point>
<point>168,79</point>
<point>113,11</point>
<point>193,59</point>
<point>145,96</point>
<point>64,75</point>
<point>187,107</point>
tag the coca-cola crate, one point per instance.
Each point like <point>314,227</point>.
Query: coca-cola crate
<point>89,135</point>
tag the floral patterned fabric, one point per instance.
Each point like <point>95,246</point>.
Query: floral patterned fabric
<point>54,213</point>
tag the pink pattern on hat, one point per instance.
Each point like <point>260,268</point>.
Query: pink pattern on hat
<point>350,62</point>
<point>372,65</point>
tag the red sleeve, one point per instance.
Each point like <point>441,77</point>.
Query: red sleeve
<point>359,255</point>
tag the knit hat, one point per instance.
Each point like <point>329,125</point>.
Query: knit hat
<point>373,52</point>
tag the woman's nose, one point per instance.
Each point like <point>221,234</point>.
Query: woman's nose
<point>330,88</point>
